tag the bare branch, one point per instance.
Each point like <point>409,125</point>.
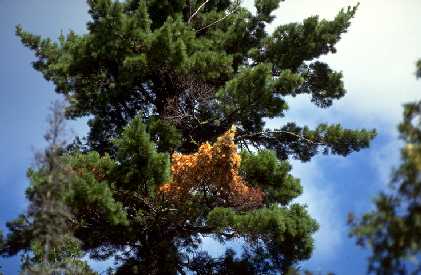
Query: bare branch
<point>234,8</point>
<point>55,134</point>
<point>185,107</point>
<point>197,11</point>
<point>264,133</point>
<point>216,22</point>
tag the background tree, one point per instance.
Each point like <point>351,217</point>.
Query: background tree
<point>50,247</point>
<point>393,229</point>
<point>157,77</point>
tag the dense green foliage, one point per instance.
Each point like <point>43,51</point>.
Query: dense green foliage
<point>392,230</point>
<point>264,170</point>
<point>158,76</point>
<point>133,61</point>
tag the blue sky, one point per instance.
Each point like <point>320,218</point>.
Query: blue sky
<point>377,58</point>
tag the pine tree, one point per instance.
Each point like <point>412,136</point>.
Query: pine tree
<point>393,229</point>
<point>50,247</point>
<point>163,82</point>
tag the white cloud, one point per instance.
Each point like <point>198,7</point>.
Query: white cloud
<point>322,205</point>
<point>377,55</point>
<point>386,159</point>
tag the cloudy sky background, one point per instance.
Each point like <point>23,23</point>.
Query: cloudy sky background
<point>377,57</point>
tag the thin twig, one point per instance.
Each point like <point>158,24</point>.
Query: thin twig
<point>282,132</point>
<point>197,11</point>
<point>216,22</point>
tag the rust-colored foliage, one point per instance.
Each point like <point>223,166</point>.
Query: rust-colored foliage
<point>211,175</point>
